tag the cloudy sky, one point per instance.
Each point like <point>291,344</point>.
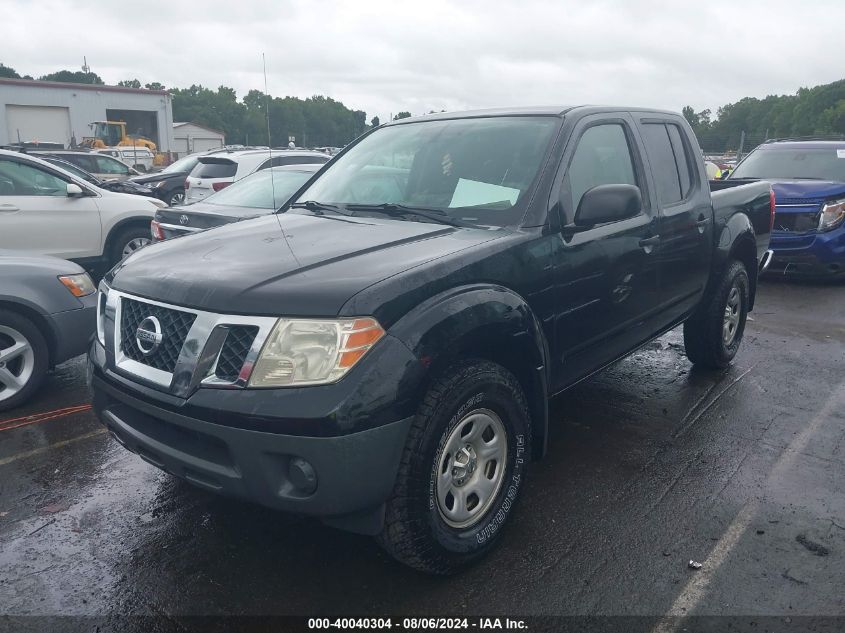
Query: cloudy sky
<point>384,57</point>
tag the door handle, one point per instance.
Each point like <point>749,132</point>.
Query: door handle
<point>703,222</point>
<point>8,208</point>
<point>650,241</point>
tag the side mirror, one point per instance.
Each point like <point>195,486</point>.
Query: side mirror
<point>608,203</point>
<point>74,190</point>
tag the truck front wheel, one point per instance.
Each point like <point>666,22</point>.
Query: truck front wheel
<point>462,469</point>
<point>713,334</point>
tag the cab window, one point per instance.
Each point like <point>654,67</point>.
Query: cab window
<point>106,165</point>
<point>602,157</point>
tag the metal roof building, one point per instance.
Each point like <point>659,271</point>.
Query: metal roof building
<point>48,111</point>
<point>193,137</point>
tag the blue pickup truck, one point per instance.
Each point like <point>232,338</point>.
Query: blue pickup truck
<point>808,178</point>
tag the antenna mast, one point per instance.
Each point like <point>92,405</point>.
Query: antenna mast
<point>267,112</point>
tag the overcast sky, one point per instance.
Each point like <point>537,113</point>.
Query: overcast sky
<point>384,57</point>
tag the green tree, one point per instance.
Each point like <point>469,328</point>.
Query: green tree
<point>76,77</point>
<point>402,115</point>
<point>8,73</point>
<point>129,83</point>
<point>375,122</point>
<point>154,86</point>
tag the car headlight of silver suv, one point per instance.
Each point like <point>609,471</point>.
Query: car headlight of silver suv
<point>832,215</point>
<point>313,352</point>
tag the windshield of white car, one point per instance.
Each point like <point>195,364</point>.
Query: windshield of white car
<point>257,191</point>
<point>798,164</point>
<point>477,170</point>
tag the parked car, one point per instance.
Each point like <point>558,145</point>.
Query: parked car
<point>168,184</point>
<point>139,158</point>
<point>47,316</point>
<point>381,357</point>
<point>102,166</point>
<point>45,210</point>
<point>216,171</point>
<point>808,178</point>
<point>119,186</point>
<point>258,194</point>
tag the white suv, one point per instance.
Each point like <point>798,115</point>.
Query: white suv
<point>45,210</point>
<point>214,172</point>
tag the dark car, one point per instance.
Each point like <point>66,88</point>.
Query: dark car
<point>169,183</point>
<point>258,194</point>
<point>381,352</point>
<point>47,316</point>
<point>120,186</point>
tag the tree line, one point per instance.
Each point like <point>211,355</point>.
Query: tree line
<point>817,111</point>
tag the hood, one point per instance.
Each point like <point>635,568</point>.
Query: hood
<point>151,178</point>
<point>811,191</point>
<point>286,264</point>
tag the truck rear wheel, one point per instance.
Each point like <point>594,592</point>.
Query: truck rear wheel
<point>462,469</point>
<point>713,334</point>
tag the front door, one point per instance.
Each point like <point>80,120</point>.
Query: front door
<point>606,278</point>
<point>38,217</point>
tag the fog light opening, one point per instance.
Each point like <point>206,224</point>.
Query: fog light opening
<point>302,476</point>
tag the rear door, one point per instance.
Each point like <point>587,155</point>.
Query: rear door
<point>686,217</point>
<point>37,216</point>
<point>606,281</point>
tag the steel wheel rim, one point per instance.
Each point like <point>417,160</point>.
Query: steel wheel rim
<point>134,244</point>
<point>17,362</point>
<point>470,468</point>
<point>733,311</point>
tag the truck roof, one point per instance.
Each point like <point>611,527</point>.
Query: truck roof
<point>558,110</point>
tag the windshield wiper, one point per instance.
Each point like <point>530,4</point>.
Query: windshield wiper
<point>401,211</point>
<point>319,207</point>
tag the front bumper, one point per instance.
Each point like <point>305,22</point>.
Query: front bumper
<point>809,254</point>
<point>74,329</point>
<point>327,477</point>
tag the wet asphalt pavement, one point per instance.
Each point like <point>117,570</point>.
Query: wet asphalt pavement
<point>650,465</point>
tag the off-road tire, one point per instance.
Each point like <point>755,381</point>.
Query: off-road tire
<point>703,331</point>
<point>415,533</point>
<point>40,353</point>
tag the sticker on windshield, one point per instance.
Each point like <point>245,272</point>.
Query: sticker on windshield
<point>840,153</point>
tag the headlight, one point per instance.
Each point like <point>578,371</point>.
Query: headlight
<point>79,285</point>
<point>102,298</point>
<point>160,184</point>
<point>312,352</point>
<point>832,215</point>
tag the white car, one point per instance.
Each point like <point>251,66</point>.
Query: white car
<point>139,158</point>
<point>45,210</point>
<point>216,171</point>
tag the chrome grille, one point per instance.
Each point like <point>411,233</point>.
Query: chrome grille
<point>238,342</point>
<point>175,326</point>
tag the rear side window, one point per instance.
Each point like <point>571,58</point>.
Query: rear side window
<point>669,161</point>
<point>602,157</point>
<point>86,162</point>
<point>681,158</point>
<point>215,169</point>
<point>663,164</point>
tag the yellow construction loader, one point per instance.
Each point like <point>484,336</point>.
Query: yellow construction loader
<point>113,134</point>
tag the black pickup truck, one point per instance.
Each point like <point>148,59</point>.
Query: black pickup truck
<point>381,351</point>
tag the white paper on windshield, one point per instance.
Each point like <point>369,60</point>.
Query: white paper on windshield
<point>840,153</point>
<point>470,193</point>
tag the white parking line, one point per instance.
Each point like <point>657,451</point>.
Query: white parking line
<point>49,447</point>
<point>696,588</point>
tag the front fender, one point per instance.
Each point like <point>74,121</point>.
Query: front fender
<point>482,321</point>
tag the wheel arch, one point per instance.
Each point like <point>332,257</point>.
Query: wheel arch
<point>485,322</point>
<point>118,228</point>
<point>737,241</point>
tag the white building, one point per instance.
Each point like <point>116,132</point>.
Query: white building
<point>48,111</point>
<point>192,137</point>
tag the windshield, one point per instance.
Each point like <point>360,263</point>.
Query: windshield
<point>256,191</point>
<point>183,164</point>
<point>816,164</point>
<point>473,170</point>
